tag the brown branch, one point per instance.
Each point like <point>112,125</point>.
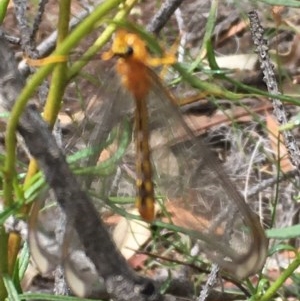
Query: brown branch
<point>163,15</point>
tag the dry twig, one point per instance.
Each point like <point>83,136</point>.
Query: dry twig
<point>267,67</point>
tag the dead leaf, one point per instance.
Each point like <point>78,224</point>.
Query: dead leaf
<point>235,29</point>
<point>137,261</point>
<point>130,235</point>
<point>275,137</point>
<point>112,220</point>
<point>182,217</point>
<point>200,124</point>
<point>237,61</point>
<point>277,11</point>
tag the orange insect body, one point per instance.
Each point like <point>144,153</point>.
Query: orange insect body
<point>132,66</point>
<point>134,77</point>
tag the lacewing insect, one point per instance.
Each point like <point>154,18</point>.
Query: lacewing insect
<point>135,77</point>
<point>210,191</point>
<point>193,180</point>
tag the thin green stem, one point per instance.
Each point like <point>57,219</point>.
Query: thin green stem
<point>280,280</point>
<point>70,42</point>
<point>3,9</point>
<point>209,88</point>
<point>51,110</point>
<point>209,28</point>
<point>3,261</point>
<point>58,81</point>
<point>258,92</point>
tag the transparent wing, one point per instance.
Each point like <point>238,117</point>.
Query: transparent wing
<point>212,208</point>
<point>186,173</point>
<point>52,239</point>
<point>44,223</point>
<point>191,178</point>
<point>53,242</point>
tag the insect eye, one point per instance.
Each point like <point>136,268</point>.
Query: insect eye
<point>129,51</point>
